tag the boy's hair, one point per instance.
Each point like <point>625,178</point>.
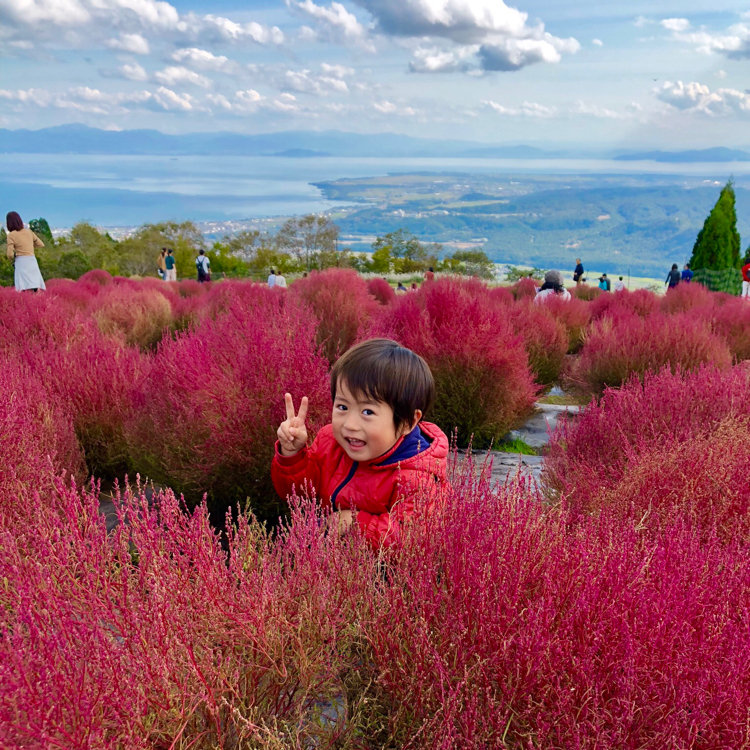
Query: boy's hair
<point>383,370</point>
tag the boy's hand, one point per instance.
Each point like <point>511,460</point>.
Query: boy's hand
<point>292,432</point>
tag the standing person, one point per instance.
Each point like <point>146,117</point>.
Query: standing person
<point>578,272</point>
<point>20,250</point>
<point>687,274</point>
<point>429,274</point>
<point>170,265</point>
<point>619,285</point>
<point>604,283</point>
<point>377,454</point>
<point>673,277</point>
<point>203,265</point>
<point>280,280</point>
<point>272,278</point>
<point>746,280</point>
<point>161,266</point>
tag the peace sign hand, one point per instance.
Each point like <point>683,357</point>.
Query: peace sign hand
<point>292,432</point>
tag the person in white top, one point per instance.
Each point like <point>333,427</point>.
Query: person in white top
<point>552,287</point>
<point>619,285</point>
<point>272,278</point>
<point>280,280</point>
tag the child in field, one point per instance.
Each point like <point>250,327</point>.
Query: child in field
<point>377,453</point>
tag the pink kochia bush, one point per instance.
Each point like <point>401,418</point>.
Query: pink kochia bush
<point>340,300</point>
<point>381,290</point>
<point>205,417</point>
<point>154,636</point>
<point>623,343</point>
<point>504,626</point>
<point>544,337</point>
<point>673,446</point>
<point>484,386</point>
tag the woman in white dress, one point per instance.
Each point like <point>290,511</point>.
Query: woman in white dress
<point>21,245</point>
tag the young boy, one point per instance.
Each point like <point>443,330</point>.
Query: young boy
<point>377,454</point>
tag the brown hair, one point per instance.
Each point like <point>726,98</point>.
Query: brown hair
<point>383,370</point>
<point>13,221</point>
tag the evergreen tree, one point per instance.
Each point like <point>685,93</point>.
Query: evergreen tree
<point>716,253</point>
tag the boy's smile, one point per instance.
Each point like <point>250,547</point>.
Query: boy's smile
<point>362,426</point>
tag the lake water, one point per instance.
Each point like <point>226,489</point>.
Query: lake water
<point>117,191</point>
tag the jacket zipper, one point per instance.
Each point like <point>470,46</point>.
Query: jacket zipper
<point>343,484</point>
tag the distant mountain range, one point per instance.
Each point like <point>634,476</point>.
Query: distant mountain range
<point>80,139</point>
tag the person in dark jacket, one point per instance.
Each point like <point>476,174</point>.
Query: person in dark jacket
<point>578,272</point>
<point>673,277</point>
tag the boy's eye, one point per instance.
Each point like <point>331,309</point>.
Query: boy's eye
<point>368,412</point>
<point>340,407</point>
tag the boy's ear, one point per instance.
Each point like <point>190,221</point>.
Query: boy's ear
<point>415,421</point>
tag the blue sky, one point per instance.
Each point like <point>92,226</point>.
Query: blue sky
<point>544,72</point>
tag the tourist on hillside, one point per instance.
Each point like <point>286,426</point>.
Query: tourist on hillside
<point>746,280</point>
<point>401,287</point>
<point>280,281</point>
<point>161,266</point>
<point>578,272</point>
<point>429,274</point>
<point>687,274</point>
<point>604,283</point>
<point>619,285</point>
<point>203,265</point>
<point>20,251</point>
<point>552,287</point>
<point>414,286</point>
<point>171,266</point>
<point>377,456</point>
<point>673,277</point>
<point>271,278</point>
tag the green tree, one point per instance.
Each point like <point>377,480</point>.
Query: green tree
<point>259,253</point>
<point>72,265</point>
<point>402,252</point>
<point>139,253</point>
<point>469,263</point>
<point>716,253</point>
<point>311,239</point>
<point>41,229</point>
<point>99,249</point>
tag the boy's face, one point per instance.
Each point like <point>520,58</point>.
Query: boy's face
<point>362,427</point>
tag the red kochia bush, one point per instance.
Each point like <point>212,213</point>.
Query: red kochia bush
<point>37,440</point>
<point>525,288</point>
<point>502,627</point>
<point>544,337</point>
<point>664,418</point>
<point>381,290</point>
<point>622,343</point>
<point>641,302</point>
<point>154,636</point>
<point>685,297</point>
<point>342,304</point>
<point>484,387</point>
<point>730,319</point>
<point>586,292</point>
<point>206,417</point>
<point>574,314</point>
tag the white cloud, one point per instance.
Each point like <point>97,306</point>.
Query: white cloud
<point>218,27</point>
<point>597,42</point>
<point>386,107</point>
<point>334,23</point>
<point>513,54</point>
<point>134,43</point>
<point>202,59</point>
<point>176,75</point>
<point>435,60</point>
<point>596,110</point>
<point>698,97</point>
<point>526,109</point>
<point>675,24</point>
<point>133,72</point>
<point>167,99</point>
<point>306,82</point>
<point>733,43</point>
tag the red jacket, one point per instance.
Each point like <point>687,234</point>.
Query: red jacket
<point>746,272</point>
<point>381,490</point>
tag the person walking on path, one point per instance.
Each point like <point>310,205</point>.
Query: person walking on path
<point>171,266</point>
<point>673,277</point>
<point>272,278</point>
<point>746,280</point>
<point>203,265</point>
<point>161,266</point>
<point>578,272</point>
<point>687,274</point>
<point>20,251</point>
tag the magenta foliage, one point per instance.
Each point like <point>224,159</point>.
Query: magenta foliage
<point>591,455</point>
<point>622,343</point>
<point>586,292</point>
<point>96,276</point>
<point>502,295</point>
<point>505,627</point>
<point>381,290</point>
<point>484,387</point>
<point>574,314</point>
<point>155,636</point>
<point>544,337</point>
<point>525,288</point>
<point>214,398</point>
<point>687,296</point>
<point>641,302</point>
<point>340,300</point>
<point>730,319</point>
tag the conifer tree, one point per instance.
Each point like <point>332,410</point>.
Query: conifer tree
<point>717,247</point>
